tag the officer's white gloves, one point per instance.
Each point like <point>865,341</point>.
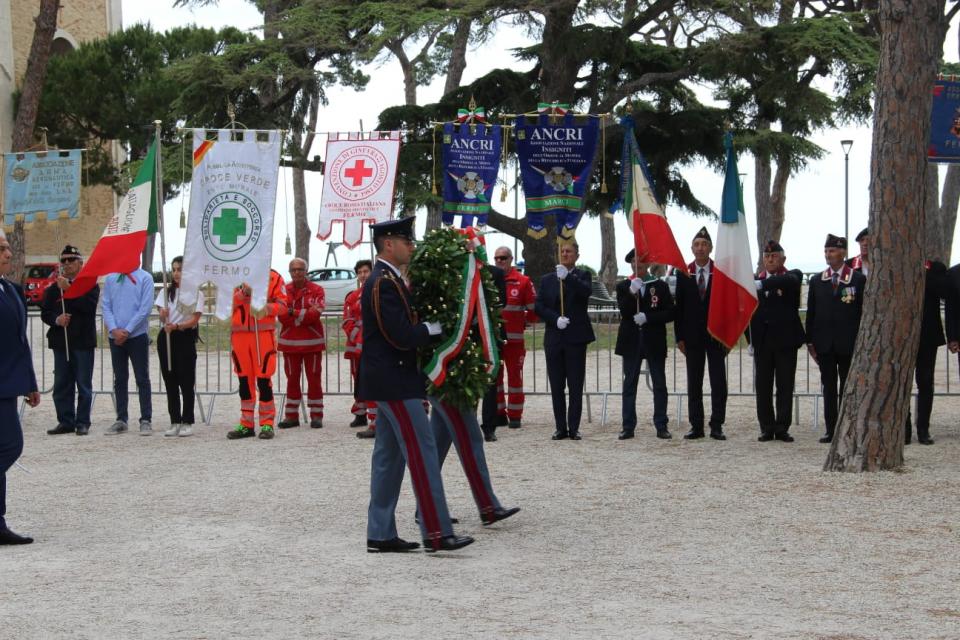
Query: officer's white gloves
<point>562,271</point>
<point>640,319</point>
<point>563,322</point>
<point>672,283</point>
<point>759,284</point>
<point>433,328</point>
<point>636,285</point>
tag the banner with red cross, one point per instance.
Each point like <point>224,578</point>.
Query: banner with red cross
<point>358,180</point>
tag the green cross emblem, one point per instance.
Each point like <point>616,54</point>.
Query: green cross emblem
<point>229,226</point>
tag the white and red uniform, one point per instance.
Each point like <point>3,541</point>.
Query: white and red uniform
<point>517,313</point>
<point>353,330</point>
<point>302,343</point>
<point>254,350</point>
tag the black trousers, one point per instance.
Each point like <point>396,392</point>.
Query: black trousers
<point>180,379</point>
<point>832,367</point>
<point>926,363</point>
<point>715,358</point>
<point>11,446</point>
<point>775,366</point>
<point>566,369</point>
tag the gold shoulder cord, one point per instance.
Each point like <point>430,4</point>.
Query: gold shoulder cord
<point>376,310</point>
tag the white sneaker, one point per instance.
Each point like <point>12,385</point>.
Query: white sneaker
<point>186,430</point>
<point>117,427</point>
<point>173,431</point>
<point>146,429</point>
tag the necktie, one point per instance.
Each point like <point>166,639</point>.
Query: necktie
<point>836,281</point>
<point>702,285</point>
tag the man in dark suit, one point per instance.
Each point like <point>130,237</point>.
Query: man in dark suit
<point>834,304</point>
<point>16,379</point>
<point>697,345</point>
<point>646,307</point>
<point>562,305</point>
<point>775,335</point>
<point>491,416</point>
<point>389,375</point>
<point>936,288</point>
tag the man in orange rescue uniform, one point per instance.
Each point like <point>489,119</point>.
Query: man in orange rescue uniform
<point>254,351</point>
<point>517,313</point>
<point>302,343</point>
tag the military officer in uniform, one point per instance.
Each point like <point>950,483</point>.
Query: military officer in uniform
<point>646,307</point>
<point>697,345</point>
<point>775,335</point>
<point>389,375</point>
<point>834,304</point>
<point>562,305</point>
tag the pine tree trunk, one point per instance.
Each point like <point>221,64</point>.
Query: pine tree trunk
<point>301,226</point>
<point>869,435</point>
<point>458,55</point>
<point>22,139</point>
<point>609,263</point>
<point>761,196</point>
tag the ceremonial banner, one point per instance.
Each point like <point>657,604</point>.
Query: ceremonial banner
<point>733,296</point>
<point>230,229</point>
<point>945,122</point>
<point>471,162</point>
<point>41,182</point>
<point>121,245</point>
<point>556,159</point>
<point>652,237</point>
<point>357,183</point>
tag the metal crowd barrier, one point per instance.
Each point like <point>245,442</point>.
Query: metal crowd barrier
<point>216,379</point>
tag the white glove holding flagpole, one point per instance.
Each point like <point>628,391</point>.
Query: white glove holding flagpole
<point>640,318</point>
<point>562,272</point>
<point>563,322</point>
<point>636,285</point>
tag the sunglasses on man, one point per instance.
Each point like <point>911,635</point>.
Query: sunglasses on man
<point>68,260</point>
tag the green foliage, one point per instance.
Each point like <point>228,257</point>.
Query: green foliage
<point>436,277</point>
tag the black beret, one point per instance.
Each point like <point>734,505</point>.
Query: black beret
<point>704,234</point>
<point>863,234</point>
<point>772,246</point>
<point>835,242</point>
<point>630,255</point>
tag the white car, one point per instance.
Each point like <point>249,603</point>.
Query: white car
<point>336,283</point>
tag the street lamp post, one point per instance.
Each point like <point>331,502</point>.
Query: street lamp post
<point>846,144</point>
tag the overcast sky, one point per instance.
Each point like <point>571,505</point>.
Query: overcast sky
<point>815,197</point>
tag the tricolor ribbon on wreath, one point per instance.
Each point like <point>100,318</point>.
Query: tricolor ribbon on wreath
<point>474,308</point>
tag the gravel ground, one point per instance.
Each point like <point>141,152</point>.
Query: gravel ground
<point>204,538</point>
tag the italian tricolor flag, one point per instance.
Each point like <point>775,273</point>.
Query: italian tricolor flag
<point>120,247</point>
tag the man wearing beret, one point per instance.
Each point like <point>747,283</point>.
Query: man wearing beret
<point>697,345</point>
<point>834,304</point>
<point>646,307</point>
<point>389,375</point>
<point>775,335</point>
<point>861,262</point>
<point>72,337</point>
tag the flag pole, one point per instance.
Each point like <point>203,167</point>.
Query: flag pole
<point>63,303</point>
<point>158,181</point>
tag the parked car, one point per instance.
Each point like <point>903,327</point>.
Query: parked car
<point>336,282</point>
<point>36,278</point>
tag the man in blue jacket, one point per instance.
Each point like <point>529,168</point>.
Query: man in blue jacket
<point>562,305</point>
<point>16,379</point>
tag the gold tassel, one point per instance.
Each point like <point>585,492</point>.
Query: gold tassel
<point>503,192</point>
<point>183,218</point>
<point>286,247</point>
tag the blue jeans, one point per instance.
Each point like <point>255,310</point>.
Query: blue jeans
<point>67,376</point>
<point>631,376</point>
<point>138,351</point>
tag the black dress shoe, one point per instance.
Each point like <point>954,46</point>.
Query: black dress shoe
<point>575,435</point>
<point>560,435</point>
<point>60,428</point>
<point>498,514</point>
<point>664,434</point>
<point>765,437</point>
<point>9,537</point>
<point>626,434</point>
<point>449,543</point>
<point>502,421</point>
<point>83,430</point>
<point>514,424</point>
<point>827,439</point>
<point>693,434</point>
<point>359,421</point>
<point>717,434</point>
<point>288,424</point>
<point>396,545</point>
<point>924,439</point>
<point>490,437</point>
<point>783,437</point>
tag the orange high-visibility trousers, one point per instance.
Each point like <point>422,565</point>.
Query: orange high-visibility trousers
<point>255,374</point>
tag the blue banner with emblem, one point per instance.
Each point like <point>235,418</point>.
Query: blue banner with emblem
<point>471,162</point>
<point>945,122</point>
<point>556,160</point>
<point>41,182</point>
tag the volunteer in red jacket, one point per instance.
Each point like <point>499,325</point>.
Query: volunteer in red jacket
<point>364,412</point>
<point>302,344</point>
<point>517,314</point>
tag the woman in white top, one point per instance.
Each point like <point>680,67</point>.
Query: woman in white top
<point>178,378</point>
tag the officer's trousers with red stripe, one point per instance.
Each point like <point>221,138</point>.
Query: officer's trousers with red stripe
<point>255,369</point>
<point>312,365</point>
<point>406,437</point>
<point>453,425</point>
<point>512,355</point>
